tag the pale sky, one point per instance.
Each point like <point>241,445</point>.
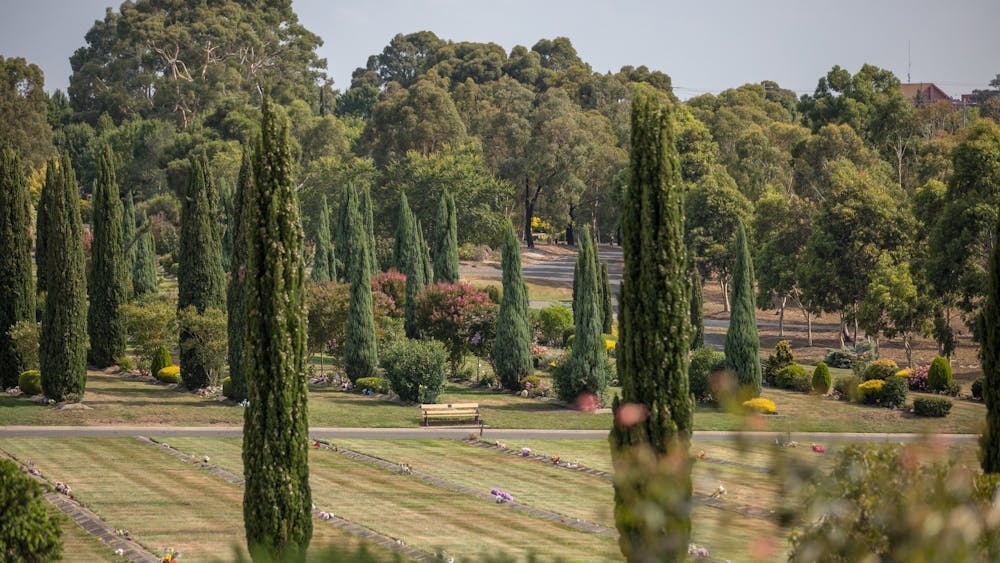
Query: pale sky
<point>705,46</point>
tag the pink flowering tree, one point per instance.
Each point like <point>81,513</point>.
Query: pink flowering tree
<point>457,314</point>
<point>389,293</point>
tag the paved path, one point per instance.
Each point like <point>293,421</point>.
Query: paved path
<point>462,432</point>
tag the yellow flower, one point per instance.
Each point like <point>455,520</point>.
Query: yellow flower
<point>761,405</point>
<point>609,345</point>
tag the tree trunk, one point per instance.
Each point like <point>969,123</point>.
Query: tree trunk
<point>843,331</point>
<point>529,211</point>
<point>809,328</point>
<point>570,239</point>
<point>781,316</point>
<point>725,294</point>
<point>908,347</point>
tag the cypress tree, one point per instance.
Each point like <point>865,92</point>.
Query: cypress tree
<point>361,348</point>
<point>130,241</point>
<point>446,242</point>
<point>585,371</point>
<point>367,217</point>
<point>236,287</point>
<point>324,264</point>
<point>989,354</point>
<point>42,234</point>
<point>607,310</point>
<point>63,338</point>
<point>17,280</point>
<point>742,342</point>
<point>512,348</point>
<point>277,500</point>
<point>697,302</point>
<point>144,279</point>
<point>200,278</point>
<point>226,224</point>
<point>652,429</point>
<point>342,244</point>
<point>425,253</point>
<point>108,268</point>
<point>408,259</point>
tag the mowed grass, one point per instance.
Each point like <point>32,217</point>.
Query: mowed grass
<point>425,516</point>
<point>161,500</point>
<point>78,545</point>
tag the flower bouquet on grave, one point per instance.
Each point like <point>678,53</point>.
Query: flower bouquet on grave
<point>502,496</point>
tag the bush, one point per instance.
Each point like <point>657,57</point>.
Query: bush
<point>846,387</point>
<point>704,362</point>
<point>474,252</point>
<point>416,369</point>
<point>931,406</point>
<point>869,392</point>
<point>838,359</point>
<point>782,357</point>
<point>494,292</point>
<point>880,369</point>
<point>161,359</point>
<point>27,532</point>
<point>821,379</point>
<point>918,378</point>
<point>939,374</point>
<point>373,384</point>
<point>227,387</point>
<point>954,389</point>
<point>793,377</point>
<point>531,381</point>
<point>169,374</point>
<point>553,322</point>
<point>30,382</point>
<point>24,337</point>
<point>894,392</point>
<point>125,362</point>
<point>759,405</point>
<point>977,387</point>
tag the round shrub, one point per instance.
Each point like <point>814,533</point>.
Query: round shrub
<point>846,387</point>
<point>821,379</point>
<point>894,392</point>
<point>939,374</point>
<point>782,357</point>
<point>880,369</point>
<point>793,377</point>
<point>416,369</point>
<point>227,387</point>
<point>30,382</point>
<point>553,321</point>
<point>161,359</point>
<point>373,384</point>
<point>169,374</point>
<point>27,531</point>
<point>567,336</point>
<point>759,405</point>
<point>869,392</point>
<point>531,382</point>
<point>704,362</point>
<point>918,378</point>
<point>977,387</point>
<point>932,406</point>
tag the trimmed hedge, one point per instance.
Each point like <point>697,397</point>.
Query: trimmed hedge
<point>30,382</point>
<point>169,374</point>
<point>416,369</point>
<point>793,377</point>
<point>939,374</point>
<point>932,406</point>
<point>889,393</point>
<point>821,379</point>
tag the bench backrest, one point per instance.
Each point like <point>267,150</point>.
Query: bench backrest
<point>450,406</point>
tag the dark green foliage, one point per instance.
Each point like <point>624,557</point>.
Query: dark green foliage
<point>361,346</point>
<point>144,279</point>
<point>200,279</point>
<point>553,321</point>
<point>782,357</point>
<point>341,239</point>
<point>160,360</point>
<point>704,363</point>
<point>408,259</point>
<point>27,532</point>
<point>742,342</point>
<point>939,375</point>
<point>324,262</point>
<point>109,271</point>
<point>932,406</point>
<point>989,354</point>
<point>416,369</point>
<point>63,340</point>
<point>607,311</point>
<point>894,392</point>
<point>130,241</point>
<point>883,368</point>
<point>237,283</point>
<point>227,387</point>
<point>30,382</point>
<point>425,254</point>
<point>821,379</point>
<point>446,241</point>
<point>277,499</point>
<point>794,378</point>
<point>17,280</point>
<point>653,469</point>
<point>586,368</point>
<point>367,218</point>
<point>697,304</point>
<point>512,349</point>
<point>977,387</point>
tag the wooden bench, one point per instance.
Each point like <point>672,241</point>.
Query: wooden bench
<point>450,411</point>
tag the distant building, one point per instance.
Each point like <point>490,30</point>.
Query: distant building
<point>924,93</point>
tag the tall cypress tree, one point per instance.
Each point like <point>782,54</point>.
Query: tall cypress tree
<point>226,223</point>
<point>425,253</point>
<point>130,241</point>
<point>446,241</point>
<point>277,499</point>
<point>989,354</point>
<point>742,342</point>
<point>108,268</point>
<point>585,371</point>
<point>324,264</point>
<point>236,288</point>
<point>367,218</point>
<point>697,303</point>
<point>361,348</point>
<point>17,280</point>
<point>342,238</point>
<point>200,278</point>
<point>144,279</point>
<point>63,339</point>
<point>408,259</point>
<point>653,419</point>
<point>512,349</point>
<point>42,234</point>
<point>607,311</point>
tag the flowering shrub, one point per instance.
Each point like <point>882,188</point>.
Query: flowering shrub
<point>454,314</point>
<point>169,374</point>
<point>760,405</point>
<point>389,293</point>
<point>917,378</point>
<point>870,391</point>
<point>889,393</point>
<point>880,369</point>
<point>538,354</point>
